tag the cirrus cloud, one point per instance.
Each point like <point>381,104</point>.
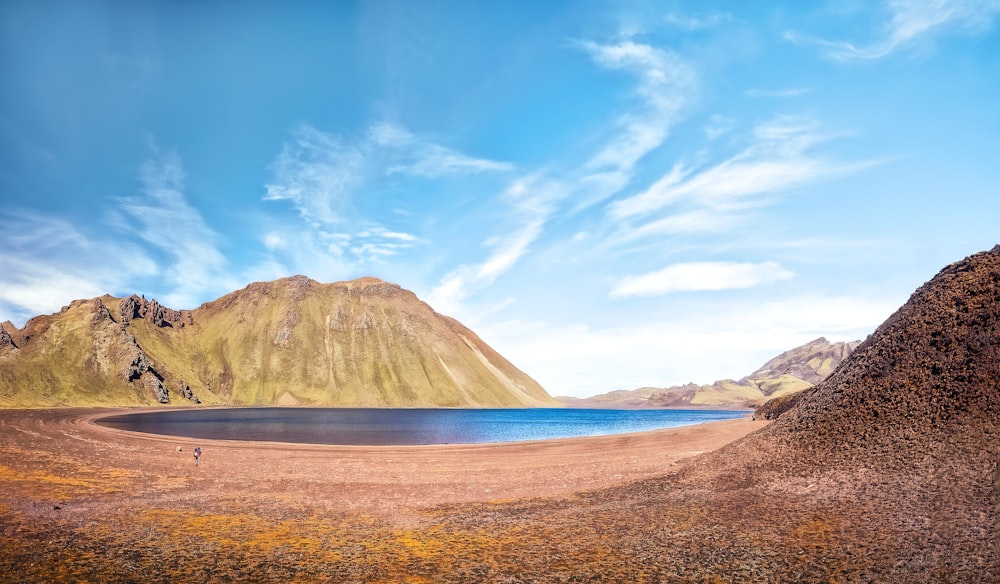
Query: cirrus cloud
<point>911,23</point>
<point>698,276</point>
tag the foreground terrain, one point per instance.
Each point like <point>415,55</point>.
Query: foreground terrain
<point>80,501</point>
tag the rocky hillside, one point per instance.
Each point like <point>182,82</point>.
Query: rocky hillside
<point>907,431</point>
<point>293,341</point>
<point>786,374</point>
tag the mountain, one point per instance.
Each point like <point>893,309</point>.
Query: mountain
<point>293,341</point>
<point>904,434</point>
<point>786,374</point>
<point>935,360</point>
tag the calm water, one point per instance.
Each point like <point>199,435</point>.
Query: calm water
<point>358,426</point>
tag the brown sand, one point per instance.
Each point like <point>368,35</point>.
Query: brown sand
<point>390,481</point>
<point>84,503</point>
<point>65,478</point>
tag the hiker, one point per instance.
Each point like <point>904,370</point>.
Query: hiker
<point>197,456</point>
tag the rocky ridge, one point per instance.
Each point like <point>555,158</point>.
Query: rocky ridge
<point>292,341</point>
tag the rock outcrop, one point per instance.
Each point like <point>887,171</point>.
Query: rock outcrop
<point>186,393</point>
<point>138,307</point>
<point>6,341</point>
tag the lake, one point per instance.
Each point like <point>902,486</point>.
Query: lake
<point>383,427</point>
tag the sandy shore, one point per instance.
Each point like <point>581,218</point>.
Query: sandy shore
<point>386,480</point>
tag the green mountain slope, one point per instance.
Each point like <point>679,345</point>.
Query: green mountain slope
<point>293,341</point>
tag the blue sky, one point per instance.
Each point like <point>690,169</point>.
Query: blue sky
<point>612,194</point>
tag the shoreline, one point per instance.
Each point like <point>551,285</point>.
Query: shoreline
<point>94,418</point>
<point>390,481</point>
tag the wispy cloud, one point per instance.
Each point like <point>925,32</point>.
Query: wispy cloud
<point>420,157</point>
<point>162,217</point>
<point>48,262</point>
<point>698,22</point>
<point>702,220</point>
<point>697,276</point>
<point>719,125</point>
<point>783,92</point>
<point>433,161</point>
<point>456,286</point>
<point>389,134</point>
<point>324,174</point>
<point>389,235</point>
<point>911,23</point>
<point>532,201</point>
<point>318,173</point>
<point>665,85</point>
<point>273,240</point>
<point>779,158</point>
<point>376,243</point>
<point>327,252</point>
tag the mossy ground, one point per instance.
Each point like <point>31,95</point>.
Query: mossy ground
<point>81,503</point>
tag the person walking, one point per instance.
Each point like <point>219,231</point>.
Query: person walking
<point>197,456</point>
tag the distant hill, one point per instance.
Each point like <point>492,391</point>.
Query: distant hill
<point>293,341</point>
<point>788,373</point>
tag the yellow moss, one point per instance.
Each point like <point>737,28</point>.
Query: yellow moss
<point>813,535</point>
<point>247,532</point>
<point>42,484</point>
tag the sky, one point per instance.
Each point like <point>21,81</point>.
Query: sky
<point>611,194</point>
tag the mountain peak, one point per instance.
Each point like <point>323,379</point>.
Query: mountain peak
<point>371,285</point>
<point>291,341</point>
<point>811,362</point>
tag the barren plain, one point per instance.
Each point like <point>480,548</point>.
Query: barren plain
<point>82,502</point>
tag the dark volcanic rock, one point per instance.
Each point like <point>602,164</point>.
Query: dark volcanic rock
<point>773,408</point>
<point>101,312</point>
<point>186,393</point>
<point>155,385</point>
<point>130,308</point>
<point>135,307</point>
<point>140,370</point>
<point>932,365</point>
<point>6,342</point>
<point>139,364</point>
<point>162,316</point>
<point>907,428</point>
